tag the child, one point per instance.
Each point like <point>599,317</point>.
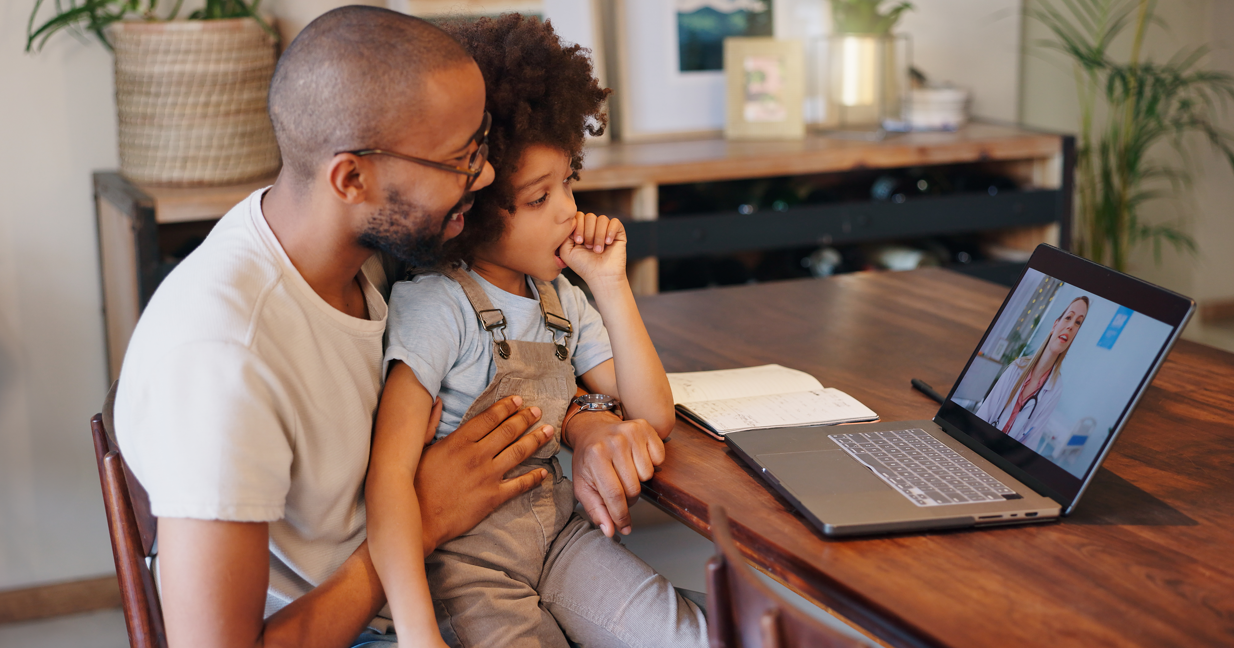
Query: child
<point>533,572</point>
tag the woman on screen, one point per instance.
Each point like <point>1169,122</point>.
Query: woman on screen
<point>1028,391</point>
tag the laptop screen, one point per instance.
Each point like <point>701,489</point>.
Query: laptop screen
<point>1060,368</point>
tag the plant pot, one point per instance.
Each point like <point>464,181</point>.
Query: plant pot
<point>191,101</point>
<point>861,79</point>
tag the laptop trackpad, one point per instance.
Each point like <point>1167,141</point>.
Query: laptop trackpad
<point>821,471</point>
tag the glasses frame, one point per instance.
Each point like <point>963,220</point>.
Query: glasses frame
<point>475,164</point>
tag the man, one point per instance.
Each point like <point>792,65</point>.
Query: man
<point>247,396</point>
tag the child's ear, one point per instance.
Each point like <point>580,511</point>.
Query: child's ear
<point>350,178</point>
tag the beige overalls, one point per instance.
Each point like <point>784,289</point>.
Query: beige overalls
<point>534,571</point>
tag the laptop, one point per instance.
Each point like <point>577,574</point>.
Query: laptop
<point>1022,432</point>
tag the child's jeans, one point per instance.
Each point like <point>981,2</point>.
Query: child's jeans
<point>534,573</point>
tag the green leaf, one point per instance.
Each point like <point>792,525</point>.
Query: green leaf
<point>93,16</point>
<point>863,17</point>
<point>78,16</point>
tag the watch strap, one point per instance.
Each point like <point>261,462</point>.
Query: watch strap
<point>575,408</point>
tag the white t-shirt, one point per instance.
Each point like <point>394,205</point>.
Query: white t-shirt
<point>244,396</point>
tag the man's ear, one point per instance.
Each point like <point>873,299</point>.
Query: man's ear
<point>350,178</point>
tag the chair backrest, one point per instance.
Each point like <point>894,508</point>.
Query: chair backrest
<point>132,529</point>
<point>742,612</point>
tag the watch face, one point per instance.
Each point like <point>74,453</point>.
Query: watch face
<point>596,401</point>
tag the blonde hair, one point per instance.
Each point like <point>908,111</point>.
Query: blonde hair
<point>1057,369</point>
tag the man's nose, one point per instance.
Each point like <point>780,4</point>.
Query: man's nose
<point>486,177</point>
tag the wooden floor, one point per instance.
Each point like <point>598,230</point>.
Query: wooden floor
<point>59,599</point>
<point>98,629</point>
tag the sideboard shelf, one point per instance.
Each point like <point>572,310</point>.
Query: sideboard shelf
<point>142,227</point>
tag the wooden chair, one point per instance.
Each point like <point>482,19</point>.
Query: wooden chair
<point>742,612</point>
<point>132,530</point>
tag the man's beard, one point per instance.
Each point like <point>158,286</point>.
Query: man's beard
<point>407,233</point>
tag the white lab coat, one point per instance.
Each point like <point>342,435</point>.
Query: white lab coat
<point>1028,430</point>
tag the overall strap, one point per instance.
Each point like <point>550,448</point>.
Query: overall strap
<point>554,319</point>
<point>491,319</point>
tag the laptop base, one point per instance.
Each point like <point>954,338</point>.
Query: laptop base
<point>842,497</point>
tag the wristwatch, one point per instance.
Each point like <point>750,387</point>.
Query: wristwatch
<point>591,403</point>
<point>596,402</point>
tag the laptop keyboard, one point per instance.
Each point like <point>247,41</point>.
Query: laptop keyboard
<point>923,468</point>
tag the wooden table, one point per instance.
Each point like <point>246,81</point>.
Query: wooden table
<point>1146,560</point>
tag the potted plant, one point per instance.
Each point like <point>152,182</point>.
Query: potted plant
<point>867,64</point>
<point>864,17</point>
<point>190,94</point>
<point>1129,111</point>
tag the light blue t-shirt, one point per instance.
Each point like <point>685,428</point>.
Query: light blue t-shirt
<point>434,330</point>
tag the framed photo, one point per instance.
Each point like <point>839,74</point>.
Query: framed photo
<point>666,58</point>
<point>766,88</point>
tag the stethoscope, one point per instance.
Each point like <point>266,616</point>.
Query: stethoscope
<point>1026,413</point>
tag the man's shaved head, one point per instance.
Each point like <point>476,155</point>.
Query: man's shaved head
<point>351,80</point>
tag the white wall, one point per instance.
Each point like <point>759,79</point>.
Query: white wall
<point>57,124</point>
<point>1214,274</point>
<point>973,44</point>
<point>1048,100</point>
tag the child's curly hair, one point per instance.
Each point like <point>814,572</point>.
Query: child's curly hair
<point>539,92</point>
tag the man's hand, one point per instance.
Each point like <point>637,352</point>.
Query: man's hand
<point>215,574</point>
<point>459,480</point>
<point>611,458</point>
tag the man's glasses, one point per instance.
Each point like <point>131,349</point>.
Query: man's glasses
<point>475,164</point>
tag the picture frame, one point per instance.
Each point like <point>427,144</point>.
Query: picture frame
<point>653,98</point>
<point>765,87</point>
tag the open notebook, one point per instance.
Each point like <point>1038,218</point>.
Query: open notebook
<point>770,396</point>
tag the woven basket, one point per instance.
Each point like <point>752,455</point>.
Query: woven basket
<point>191,99</point>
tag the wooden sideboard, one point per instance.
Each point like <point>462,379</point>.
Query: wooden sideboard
<point>141,227</point>
<point>626,179</point>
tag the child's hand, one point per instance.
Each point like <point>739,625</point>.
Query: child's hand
<point>596,250</point>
